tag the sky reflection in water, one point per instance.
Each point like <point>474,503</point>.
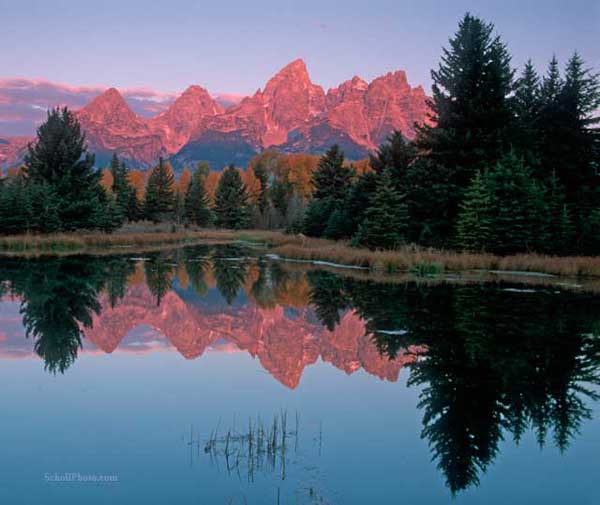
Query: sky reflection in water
<point>170,370</point>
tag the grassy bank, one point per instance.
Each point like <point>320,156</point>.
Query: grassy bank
<point>134,238</point>
<point>300,248</point>
<point>424,261</point>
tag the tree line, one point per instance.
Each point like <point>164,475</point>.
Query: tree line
<point>505,165</point>
<point>58,189</point>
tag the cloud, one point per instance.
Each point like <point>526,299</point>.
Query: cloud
<point>228,99</point>
<point>24,102</point>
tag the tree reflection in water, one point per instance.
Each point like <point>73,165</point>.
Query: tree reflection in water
<point>492,361</point>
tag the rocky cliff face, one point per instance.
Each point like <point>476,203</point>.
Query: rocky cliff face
<point>111,126</point>
<point>291,114</point>
<point>12,151</point>
<point>184,117</point>
<point>294,115</point>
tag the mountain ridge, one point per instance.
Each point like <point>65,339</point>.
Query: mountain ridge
<point>290,114</point>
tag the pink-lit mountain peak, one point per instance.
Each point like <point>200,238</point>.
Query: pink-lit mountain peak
<point>290,113</point>
<point>111,110</point>
<point>109,102</point>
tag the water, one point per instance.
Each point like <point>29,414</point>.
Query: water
<point>164,373</point>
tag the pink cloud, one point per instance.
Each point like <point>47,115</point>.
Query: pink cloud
<point>24,102</point>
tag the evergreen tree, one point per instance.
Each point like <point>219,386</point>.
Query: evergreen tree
<point>332,178</point>
<point>517,208</point>
<point>262,175</point>
<point>386,220</point>
<point>475,216</point>
<point>110,215</point>
<point>559,226</point>
<point>123,191</point>
<point>527,106</point>
<point>14,207</point>
<point>472,116</point>
<point>27,206</point>
<point>570,139</point>
<point>332,182</point>
<point>59,158</point>
<point>429,187</point>
<point>590,243</point>
<point>359,200</point>
<point>231,201</point>
<point>317,216</point>
<point>160,193</point>
<point>197,209</point>
<point>396,155</point>
<point>577,165</point>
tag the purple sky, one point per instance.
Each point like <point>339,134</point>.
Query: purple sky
<point>235,47</point>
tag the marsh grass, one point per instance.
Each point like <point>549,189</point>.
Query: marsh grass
<point>423,261</point>
<point>262,446</point>
<point>410,258</point>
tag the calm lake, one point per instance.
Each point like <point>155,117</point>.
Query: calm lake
<point>218,375</point>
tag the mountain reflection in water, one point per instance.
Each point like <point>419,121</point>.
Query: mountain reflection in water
<point>491,360</point>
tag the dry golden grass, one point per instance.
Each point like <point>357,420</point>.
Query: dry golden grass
<point>299,247</point>
<point>431,260</point>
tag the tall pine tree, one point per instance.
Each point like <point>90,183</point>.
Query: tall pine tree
<point>59,159</point>
<point>472,116</point>
<point>197,209</point>
<point>231,201</point>
<point>527,106</point>
<point>475,216</point>
<point>160,193</point>
<point>122,189</point>
<point>518,208</point>
<point>332,182</point>
<point>385,224</point>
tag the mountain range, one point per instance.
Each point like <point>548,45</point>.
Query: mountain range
<point>291,114</point>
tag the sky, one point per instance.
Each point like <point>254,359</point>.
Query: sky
<point>235,46</point>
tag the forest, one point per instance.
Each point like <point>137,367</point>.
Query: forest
<point>508,163</point>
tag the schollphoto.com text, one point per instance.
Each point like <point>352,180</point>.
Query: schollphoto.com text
<point>76,477</point>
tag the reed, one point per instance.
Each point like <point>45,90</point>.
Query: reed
<point>431,261</point>
<point>410,258</point>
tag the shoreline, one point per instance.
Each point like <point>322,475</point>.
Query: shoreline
<point>340,254</point>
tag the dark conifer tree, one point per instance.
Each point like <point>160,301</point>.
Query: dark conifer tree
<point>59,158</point>
<point>475,216</point>
<point>527,106</point>
<point>559,226</point>
<point>197,209</point>
<point>472,115</point>
<point>123,191</point>
<point>395,155</point>
<point>570,139</point>
<point>262,175</point>
<point>359,200</point>
<point>517,208</point>
<point>332,182</point>
<point>332,178</point>
<point>231,201</point>
<point>430,186</point>
<point>385,224</point>
<point>160,193</point>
